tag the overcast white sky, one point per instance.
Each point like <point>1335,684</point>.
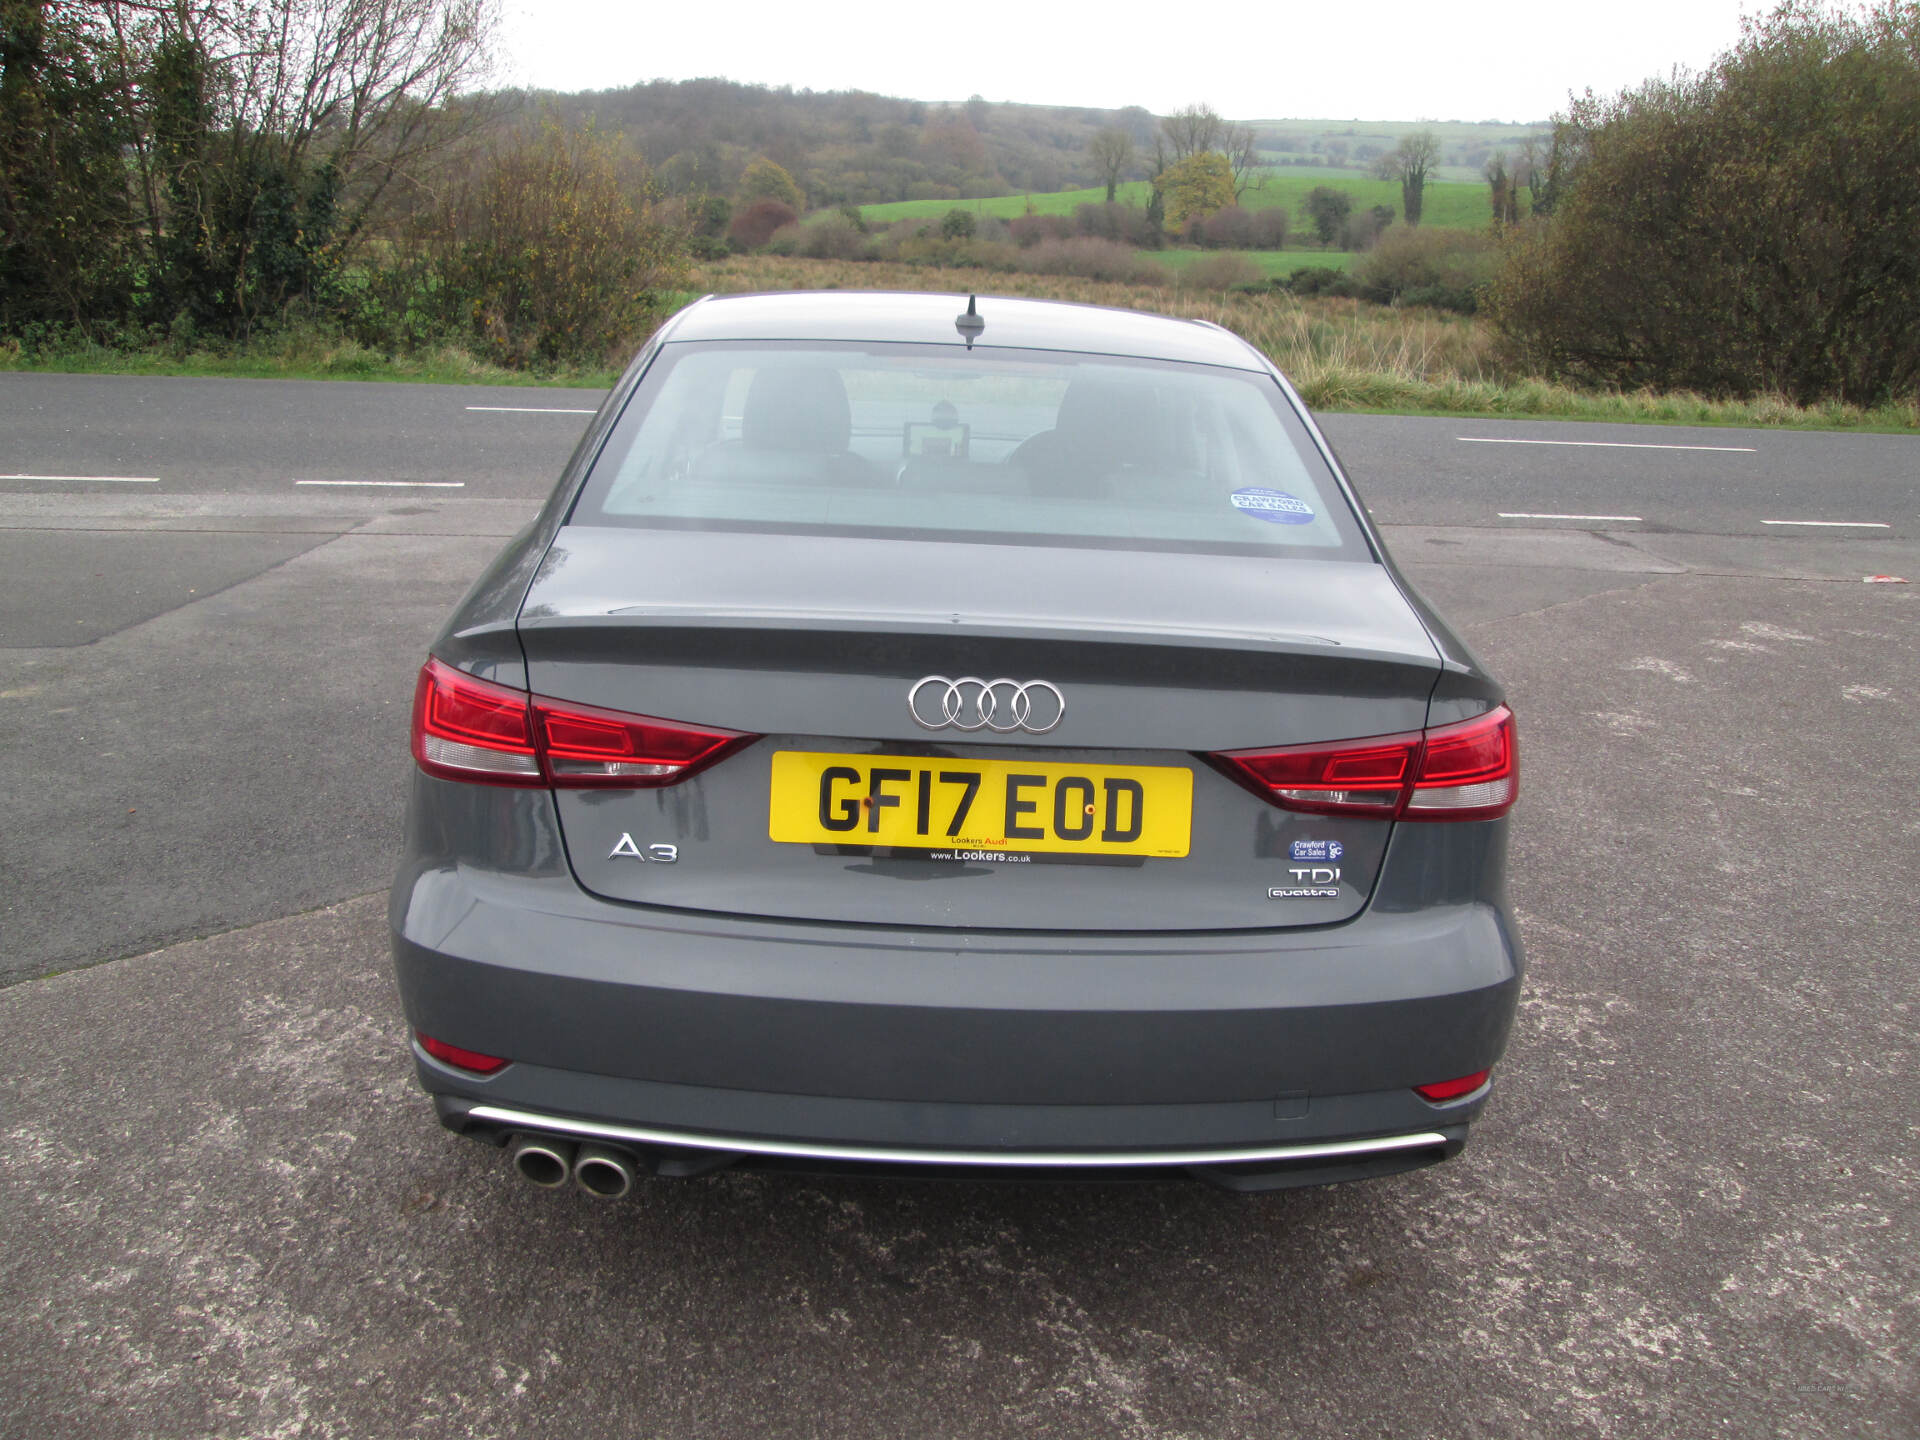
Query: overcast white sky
<point>1386,60</point>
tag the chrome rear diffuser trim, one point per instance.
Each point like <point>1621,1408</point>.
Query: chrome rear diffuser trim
<point>744,1145</point>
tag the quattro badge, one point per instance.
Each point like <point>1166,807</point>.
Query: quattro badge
<point>1310,882</point>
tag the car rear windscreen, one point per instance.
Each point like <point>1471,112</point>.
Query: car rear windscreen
<point>939,442</point>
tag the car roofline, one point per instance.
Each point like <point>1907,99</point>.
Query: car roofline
<point>1026,323</point>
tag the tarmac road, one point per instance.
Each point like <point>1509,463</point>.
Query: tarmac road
<point>225,1211</point>
<point>280,437</point>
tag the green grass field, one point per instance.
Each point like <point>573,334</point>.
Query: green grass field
<point>1466,142</point>
<point>1271,262</point>
<point>1450,204</point>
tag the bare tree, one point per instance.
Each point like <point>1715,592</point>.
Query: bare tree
<point>1196,129</point>
<point>1550,165</point>
<point>1503,187</point>
<point>1111,151</point>
<point>1191,130</point>
<point>1242,150</point>
<point>361,85</point>
<point>1409,162</point>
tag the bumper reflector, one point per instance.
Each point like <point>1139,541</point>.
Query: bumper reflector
<point>460,1059</point>
<point>1441,1090</point>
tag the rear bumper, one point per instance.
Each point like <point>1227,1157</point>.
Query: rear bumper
<point>811,1043</point>
<point>671,1152</point>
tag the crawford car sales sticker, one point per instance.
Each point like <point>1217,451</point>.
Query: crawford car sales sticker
<point>1276,507</point>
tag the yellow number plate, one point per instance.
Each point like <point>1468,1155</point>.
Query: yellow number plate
<point>921,803</point>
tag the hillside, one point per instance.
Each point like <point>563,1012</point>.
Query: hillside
<point>1353,145</point>
<point>847,147</point>
<point>916,157</point>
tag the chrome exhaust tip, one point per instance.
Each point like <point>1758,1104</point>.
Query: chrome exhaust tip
<point>607,1174</point>
<point>545,1162</point>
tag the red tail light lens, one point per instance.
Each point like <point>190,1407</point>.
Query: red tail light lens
<point>1468,771</point>
<point>462,1059</point>
<point>475,730</point>
<point>1452,1089</point>
<point>1368,777</point>
<point>586,746</point>
<point>468,729</point>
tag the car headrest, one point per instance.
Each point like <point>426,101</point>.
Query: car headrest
<point>797,407</point>
<point>1108,416</point>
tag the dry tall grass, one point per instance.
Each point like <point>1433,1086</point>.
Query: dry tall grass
<point>1340,354</point>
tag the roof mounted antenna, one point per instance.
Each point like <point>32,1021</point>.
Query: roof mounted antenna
<point>970,324</point>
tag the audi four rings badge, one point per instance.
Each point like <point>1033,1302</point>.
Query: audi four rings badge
<point>971,703</point>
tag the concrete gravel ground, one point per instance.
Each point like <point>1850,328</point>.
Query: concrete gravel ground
<point>233,759</point>
<point>1691,1208</point>
<point>225,1210</point>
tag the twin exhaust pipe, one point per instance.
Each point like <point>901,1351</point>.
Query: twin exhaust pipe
<point>549,1162</point>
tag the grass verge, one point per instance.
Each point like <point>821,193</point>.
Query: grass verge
<point>295,355</point>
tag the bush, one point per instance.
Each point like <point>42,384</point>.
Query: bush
<point>1235,228</point>
<point>710,215</point>
<point>1030,230</point>
<point>1446,269</point>
<point>1318,280</point>
<point>1363,231</point>
<point>546,257</point>
<point>1225,271</point>
<point>1230,228</point>
<point>1271,227</point>
<point>754,223</point>
<point>706,218</point>
<point>1744,230</point>
<point>912,228</point>
<point>1328,209</point>
<point>765,180</point>
<point>1128,224</point>
<point>1092,259</point>
<point>957,225</point>
<point>832,237</point>
<point>920,242</point>
<point>992,227</point>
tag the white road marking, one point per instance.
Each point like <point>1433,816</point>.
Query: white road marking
<point>531,410</point>
<point>393,484</point>
<point>93,479</point>
<point>1524,515</point>
<point>1835,524</point>
<point>1604,444</point>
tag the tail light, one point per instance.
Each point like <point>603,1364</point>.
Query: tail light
<point>1469,771</point>
<point>475,730</point>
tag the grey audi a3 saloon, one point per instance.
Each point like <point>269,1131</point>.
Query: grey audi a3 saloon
<point>955,738</point>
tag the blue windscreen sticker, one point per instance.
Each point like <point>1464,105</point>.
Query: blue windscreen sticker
<point>1276,507</point>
